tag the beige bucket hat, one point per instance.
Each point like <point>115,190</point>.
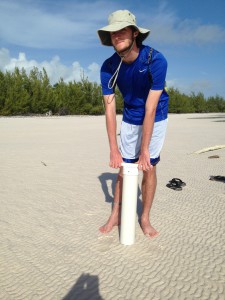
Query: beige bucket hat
<point>117,21</point>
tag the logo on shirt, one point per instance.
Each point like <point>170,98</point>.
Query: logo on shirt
<point>142,70</point>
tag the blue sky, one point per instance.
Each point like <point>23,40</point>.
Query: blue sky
<point>61,36</point>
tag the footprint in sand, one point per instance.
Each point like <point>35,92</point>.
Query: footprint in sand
<point>103,243</point>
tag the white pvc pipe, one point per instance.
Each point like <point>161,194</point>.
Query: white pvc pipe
<point>129,203</point>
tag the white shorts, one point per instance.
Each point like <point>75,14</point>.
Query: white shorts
<point>131,137</point>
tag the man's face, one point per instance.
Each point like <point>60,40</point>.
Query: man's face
<point>122,39</point>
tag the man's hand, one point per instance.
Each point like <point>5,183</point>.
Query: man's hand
<point>115,159</point>
<point>144,161</point>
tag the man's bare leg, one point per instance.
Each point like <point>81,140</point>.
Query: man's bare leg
<point>114,219</point>
<point>149,183</point>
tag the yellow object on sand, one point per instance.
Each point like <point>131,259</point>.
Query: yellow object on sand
<point>210,149</point>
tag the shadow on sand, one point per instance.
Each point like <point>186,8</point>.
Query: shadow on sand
<point>86,287</point>
<point>219,117</point>
<point>108,183</point>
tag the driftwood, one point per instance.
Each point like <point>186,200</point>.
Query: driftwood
<point>209,149</point>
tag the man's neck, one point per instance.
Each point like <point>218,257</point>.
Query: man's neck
<point>130,57</point>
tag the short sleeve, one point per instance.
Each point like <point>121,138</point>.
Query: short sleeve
<point>106,74</point>
<point>158,70</point>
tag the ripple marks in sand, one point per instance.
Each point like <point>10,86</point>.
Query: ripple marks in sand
<point>103,243</point>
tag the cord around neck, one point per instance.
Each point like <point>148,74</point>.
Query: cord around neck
<point>112,80</point>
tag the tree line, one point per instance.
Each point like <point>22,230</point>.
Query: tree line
<point>28,94</point>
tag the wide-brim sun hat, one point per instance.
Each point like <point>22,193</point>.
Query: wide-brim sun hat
<point>117,21</point>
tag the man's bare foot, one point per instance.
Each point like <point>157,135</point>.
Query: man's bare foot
<point>114,219</point>
<point>148,230</point>
<point>109,225</point>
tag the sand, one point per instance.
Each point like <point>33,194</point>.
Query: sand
<point>56,190</point>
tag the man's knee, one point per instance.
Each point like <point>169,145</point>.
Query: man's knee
<point>149,175</point>
<point>120,175</point>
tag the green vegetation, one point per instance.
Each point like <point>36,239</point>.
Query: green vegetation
<point>22,94</point>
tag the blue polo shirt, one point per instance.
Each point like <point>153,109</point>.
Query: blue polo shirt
<point>134,84</point>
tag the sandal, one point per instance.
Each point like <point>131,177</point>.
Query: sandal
<point>217,178</point>
<point>174,185</point>
<point>178,181</point>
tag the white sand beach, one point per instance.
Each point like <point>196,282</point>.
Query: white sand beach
<point>56,191</point>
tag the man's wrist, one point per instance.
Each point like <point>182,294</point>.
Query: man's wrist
<point>114,148</point>
<point>144,149</point>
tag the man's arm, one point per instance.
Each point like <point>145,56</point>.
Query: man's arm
<point>111,125</point>
<point>148,124</point>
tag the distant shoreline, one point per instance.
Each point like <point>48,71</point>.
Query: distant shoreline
<point>83,116</point>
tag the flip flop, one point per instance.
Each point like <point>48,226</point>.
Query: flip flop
<point>174,186</point>
<point>178,181</point>
<point>217,178</point>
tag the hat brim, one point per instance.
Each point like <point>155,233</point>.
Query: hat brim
<point>104,32</point>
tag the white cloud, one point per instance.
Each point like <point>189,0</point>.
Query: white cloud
<point>196,86</point>
<point>168,28</point>
<point>54,68</point>
<point>4,58</point>
<point>73,24</point>
<point>31,24</point>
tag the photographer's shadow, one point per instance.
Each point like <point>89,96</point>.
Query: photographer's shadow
<point>86,287</point>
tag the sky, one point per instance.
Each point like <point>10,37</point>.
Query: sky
<point>61,36</point>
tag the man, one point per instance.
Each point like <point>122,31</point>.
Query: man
<point>139,72</point>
